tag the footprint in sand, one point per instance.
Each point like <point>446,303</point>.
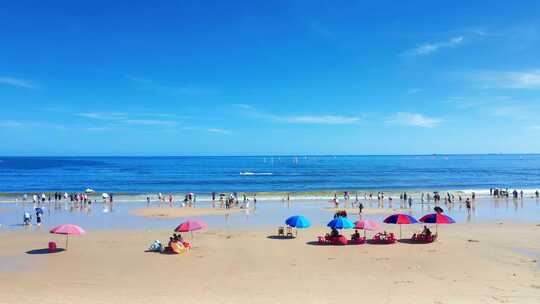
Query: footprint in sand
<point>500,300</point>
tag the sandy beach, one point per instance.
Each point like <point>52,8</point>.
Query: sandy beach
<point>490,263</point>
<point>174,212</point>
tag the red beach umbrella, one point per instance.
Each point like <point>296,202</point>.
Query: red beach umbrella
<point>400,219</point>
<point>68,229</point>
<point>437,218</point>
<point>367,225</point>
<point>190,226</point>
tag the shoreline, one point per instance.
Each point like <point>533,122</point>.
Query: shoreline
<point>277,195</point>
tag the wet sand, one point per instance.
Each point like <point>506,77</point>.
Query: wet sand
<point>177,212</point>
<point>471,263</point>
<point>369,211</point>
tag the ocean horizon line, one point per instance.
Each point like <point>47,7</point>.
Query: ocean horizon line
<point>266,155</point>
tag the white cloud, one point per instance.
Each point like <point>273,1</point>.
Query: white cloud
<point>102,115</point>
<point>250,111</point>
<point>17,82</point>
<point>243,106</point>
<point>218,130</point>
<point>529,79</point>
<point>148,122</point>
<point>510,111</point>
<point>210,130</point>
<point>413,120</point>
<point>173,90</point>
<point>10,124</point>
<point>429,48</point>
<point>414,91</point>
<point>321,119</point>
<point>122,118</point>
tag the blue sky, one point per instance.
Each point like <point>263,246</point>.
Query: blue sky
<point>269,77</point>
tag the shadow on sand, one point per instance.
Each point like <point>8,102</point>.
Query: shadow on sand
<point>277,237</point>
<point>44,251</point>
<point>409,241</point>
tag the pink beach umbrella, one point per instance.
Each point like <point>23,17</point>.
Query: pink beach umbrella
<point>366,225</point>
<point>190,226</point>
<point>68,229</point>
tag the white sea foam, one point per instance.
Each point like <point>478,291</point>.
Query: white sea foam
<point>255,173</point>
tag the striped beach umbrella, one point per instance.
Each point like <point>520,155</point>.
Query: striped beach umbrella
<point>436,218</point>
<point>400,219</point>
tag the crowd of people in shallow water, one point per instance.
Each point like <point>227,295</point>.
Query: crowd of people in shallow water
<point>244,201</point>
<point>498,193</point>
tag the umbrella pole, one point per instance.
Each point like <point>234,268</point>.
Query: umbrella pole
<point>67,239</point>
<point>437,229</point>
<point>400,231</point>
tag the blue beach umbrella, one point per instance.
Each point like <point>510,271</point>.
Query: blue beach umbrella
<point>341,223</point>
<point>298,221</point>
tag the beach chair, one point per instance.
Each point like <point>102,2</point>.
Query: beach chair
<point>52,247</point>
<point>336,240</point>
<point>290,232</point>
<point>358,241</point>
<point>321,240</point>
<point>378,239</point>
<point>281,231</point>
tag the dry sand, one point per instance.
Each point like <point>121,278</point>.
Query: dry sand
<point>174,212</point>
<point>241,266</point>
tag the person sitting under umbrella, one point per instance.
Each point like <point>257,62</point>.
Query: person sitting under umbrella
<point>355,236</point>
<point>178,238</point>
<point>426,231</point>
<point>334,233</point>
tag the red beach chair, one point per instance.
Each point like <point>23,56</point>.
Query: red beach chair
<point>359,241</point>
<point>380,239</point>
<point>52,247</point>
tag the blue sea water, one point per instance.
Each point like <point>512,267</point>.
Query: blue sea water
<point>267,173</point>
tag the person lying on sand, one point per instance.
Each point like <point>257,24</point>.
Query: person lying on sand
<point>178,238</point>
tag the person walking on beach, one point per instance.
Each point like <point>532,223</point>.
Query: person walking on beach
<point>148,200</point>
<point>38,218</point>
<point>410,202</point>
<point>468,205</point>
<point>360,208</point>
